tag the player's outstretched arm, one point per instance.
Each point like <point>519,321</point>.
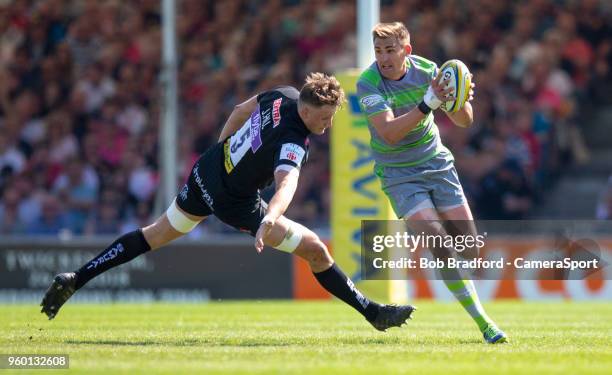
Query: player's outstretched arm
<point>237,118</point>
<point>286,184</point>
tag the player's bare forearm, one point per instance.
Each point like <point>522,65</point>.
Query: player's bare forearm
<point>464,117</point>
<point>286,184</point>
<point>238,116</point>
<point>393,129</point>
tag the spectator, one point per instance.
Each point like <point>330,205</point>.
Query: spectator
<point>9,212</point>
<point>505,193</point>
<point>77,188</point>
<point>10,157</point>
<point>95,87</point>
<point>52,219</point>
<point>82,80</point>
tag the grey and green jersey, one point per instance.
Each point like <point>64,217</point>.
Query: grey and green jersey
<point>378,94</point>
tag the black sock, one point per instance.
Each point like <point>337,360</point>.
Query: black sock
<point>336,282</point>
<point>124,249</point>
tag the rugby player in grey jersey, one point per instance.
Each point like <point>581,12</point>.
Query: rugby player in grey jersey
<point>398,94</point>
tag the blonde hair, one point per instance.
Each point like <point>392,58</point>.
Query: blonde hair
<point>321,89</point>
<point>391,30</point>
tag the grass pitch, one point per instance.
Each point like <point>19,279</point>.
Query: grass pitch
<point>318,338</point>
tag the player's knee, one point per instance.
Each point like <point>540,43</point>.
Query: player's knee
<point>315,252</point>
<point>304,243</point>
<point>290,240</point>
<point>427,227</point>
<point>320,254</point>
<point>159,233</point>
<point>467,250</point>
<point>436,229</point>
<point>168,227</point>
<point>178,220</point>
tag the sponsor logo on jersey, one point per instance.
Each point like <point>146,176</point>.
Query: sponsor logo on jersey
<point>276,116</point>
<point>256,131</point>
<point>372,100</point>
<point>229,166</point>
<point>292,152</point>
<point>205,195</point>
<point>266,117</point>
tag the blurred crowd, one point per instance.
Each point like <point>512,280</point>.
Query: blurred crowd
<point>80,96</point>
<point>540,68</point>
<point>603,210</point>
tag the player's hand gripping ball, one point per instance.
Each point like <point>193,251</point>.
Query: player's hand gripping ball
<point>459,79</point>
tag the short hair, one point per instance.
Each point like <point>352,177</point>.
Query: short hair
<point>391,30</point>
<point>321,89</point>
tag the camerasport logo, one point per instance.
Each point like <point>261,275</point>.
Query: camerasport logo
<point>276,116</point>
<point>292,152</point>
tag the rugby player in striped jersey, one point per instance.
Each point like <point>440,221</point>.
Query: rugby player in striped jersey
<point>398,94</point>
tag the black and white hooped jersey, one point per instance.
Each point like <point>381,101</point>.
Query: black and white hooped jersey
<point>273,138</point>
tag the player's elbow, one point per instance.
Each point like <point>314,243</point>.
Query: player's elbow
<point>241,109</point>
<point>386,135</point>
<point>390,139</point>
<point>245,109</point>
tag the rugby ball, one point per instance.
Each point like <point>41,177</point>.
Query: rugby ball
<point>460,80</point>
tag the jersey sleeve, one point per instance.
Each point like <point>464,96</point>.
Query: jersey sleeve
<point>291,154</point>
<point>435,72</point>
<point>371,100</point>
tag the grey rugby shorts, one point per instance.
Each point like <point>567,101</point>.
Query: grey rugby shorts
<point>433,184</point>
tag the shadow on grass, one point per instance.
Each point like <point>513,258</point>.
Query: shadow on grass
<point>246,342</point>
<point>202,342</point>
<point>470,341</point>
